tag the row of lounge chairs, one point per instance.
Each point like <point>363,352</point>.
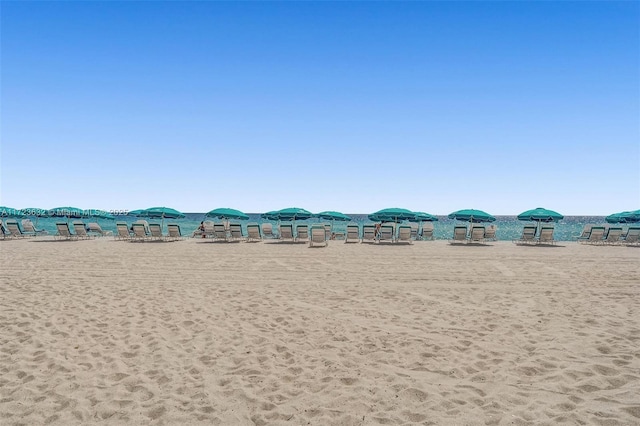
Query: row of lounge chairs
<point>529,235</point>
<point>478,234</point>
<point>609,235</point>
<point>142,231</point>
<point>81,231</point>
<point>13,229</point>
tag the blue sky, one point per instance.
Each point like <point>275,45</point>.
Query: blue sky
<point>349,106</point>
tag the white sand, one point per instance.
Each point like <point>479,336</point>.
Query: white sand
<point>206,333</point>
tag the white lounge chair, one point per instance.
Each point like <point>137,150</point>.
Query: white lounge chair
<point>220,232</point>
<point>386,233</point>
<point>235,232</point>
<point>64,233</point>
<point>328,232</point>
<point>267,231</point>
<point>427,231</point>
<point>584,235</point>
<point>596,236</point>
<point>286,232</point>
<point>95,228</point>
<point>156,231</point>
<point>302,233</point>
<point>80,230</point>
<point>405,234</point>
<point>122,231</point>
<point>3,231</point>
<point>632,236</point>
<point>14,230</point>
<point>414,231</point>
<point>459,235</point>
<point>253,232</point>
<point>139,232</point>
<point>528,235</point>
<point>368,234</point>
<point>490,233</point>
<point>546,235</point>
<point>318,236</point>
<point>613,235</point>
<point>353,234</point>
<point>174,232</point>
<point>477,234</point>
<point>29,228</point>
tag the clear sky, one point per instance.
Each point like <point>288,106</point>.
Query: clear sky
<point>348,106</point>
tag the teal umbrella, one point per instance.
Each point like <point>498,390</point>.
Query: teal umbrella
<point>161,213</point>
<point>67,212</point>
<point>423,217</point>
<point>540,215</point>
<point>392,215</point>
<point>226,213</point>
<point>135,212</point>
<point>291,213</point>
<point>11,212</point>
<point>471,215</point>
<point>272,215</point>
<point>331,215</point>
<point>624,217</point>
<point>100,214</point>
<point>35,212</point>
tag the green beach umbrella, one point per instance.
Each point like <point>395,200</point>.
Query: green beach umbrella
<point>291,213</point>
<point>161,213</point>
<point>135,212</point>
<point>540,214</point>
<point>331,215</point>
<point>394,214</point>
<point>227,213</point>
<point>423,217</point>
<point>624,217</point>
<point>35,212</point>
<point>100,214</point>
<point>11,212</point>
<point>67,212</point>
<point>472,216</point>
<point>272,215</point>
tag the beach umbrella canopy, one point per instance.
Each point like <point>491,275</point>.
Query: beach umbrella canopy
<point>68,212</point>
<point>540,214</point>
<point>226,213</point>
<point>624,217</point>
<point>471,215</point>
<point>35,212</point>
<point>423,217</point>
<point>160,213</point>
<point>272,215</point>
<point>291,213</point>
<point>394,214</point>
<point>135,212</point>
<point>100,214</point>
<point>10,212</point>
<point>331,215</point>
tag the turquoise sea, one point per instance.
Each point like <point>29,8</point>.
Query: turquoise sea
<point>509,227</point>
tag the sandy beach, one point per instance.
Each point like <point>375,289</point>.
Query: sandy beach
<point>109,332</point>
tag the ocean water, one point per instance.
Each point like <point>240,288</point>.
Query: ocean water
<point>508,227</point>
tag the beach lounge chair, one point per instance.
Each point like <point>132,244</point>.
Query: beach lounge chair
<point>286,232</point>
<point>174,232</point>
<point>318,236</point>
<point>220,232</point>
<point>64,233</point>
<point>267,231</point>
<point>584,235</point>
<point>253,232</point>
<point>405,234</point>
<point>123,232</point>
<point>235,232</point>
<point>208,229</point>
<point>155,229</point>
<point>490,233</point>
<point>94,228</point>
<point>596,236</point>
<point>302,233</point>
<point>459,235</point>
<point>613,235</point>
<point>353,234</point>
<point>632,236</point>
<point>427,231</point>
<point>139,232</point>
<point>546,235</point>
<point>328,232</point>
<point>368,234</point>
<point>80,230</point>
<point>2,230</point>
<point>29,228</point>
<point>477,234</point>
<point>528,235</point>
<point>386,233</point>
<point>414,231</point>
<point>14,230</point>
